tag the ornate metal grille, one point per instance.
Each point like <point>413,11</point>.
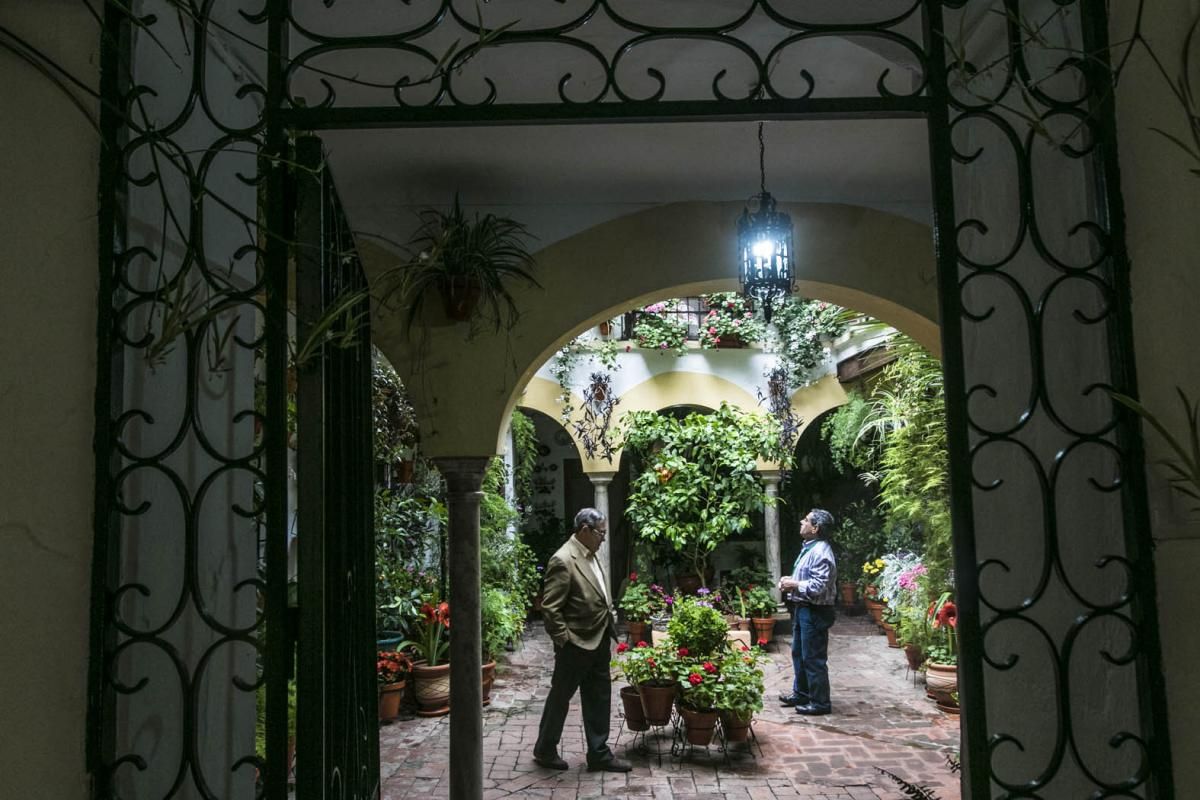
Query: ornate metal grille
<point>1051,535</point>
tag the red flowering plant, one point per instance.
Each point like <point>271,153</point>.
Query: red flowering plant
<point>433,628</point>
<point>643,665</point>
<point>639,602</point>
<point>740,688</point>
<point>699,683</point>
<point>391,667</point>
<point>943,622</point>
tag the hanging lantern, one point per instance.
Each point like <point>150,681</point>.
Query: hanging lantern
<point>765,268</point>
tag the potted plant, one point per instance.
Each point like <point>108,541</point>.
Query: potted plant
<point>729,322</point>
<point>699,683</point>
<point>941,665</point>
<point>761,607</point>
<point>430,674</point>
<point>698,628</point>
<point>653,685</point>
<point>871,571</point>
<point>638,603</point>
<point>469,262</point>
<point>739,692</point>
<point>391,669</point>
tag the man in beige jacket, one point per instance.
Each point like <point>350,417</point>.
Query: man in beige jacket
<point>579,617</point>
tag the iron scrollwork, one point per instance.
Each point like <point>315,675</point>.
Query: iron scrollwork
<point>599,52</point>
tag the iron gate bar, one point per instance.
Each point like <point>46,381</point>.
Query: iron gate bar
<point>1139,544</point>
<point>972,698</point>
<point>368,117</point>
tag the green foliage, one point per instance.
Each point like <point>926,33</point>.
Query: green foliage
<point>697,484</point>
<point>567,360</point>
<point>728,317</point>
<point>801,328</point>
<point>502,618</point>
<point>525,458</point>
<point>758,602</point>
<point>740,690</point>
<point>1185,474</point>
<point>639,603</point>
<point>646,666</point>
<point>697,626</point>
<point>505,561</point>
<point>841,432</point>
<point>404,523</point>
<point>909,414</point>
<point>393,417</point>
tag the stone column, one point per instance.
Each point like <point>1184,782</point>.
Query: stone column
<point>771,522</point>
<point>464,477</point>
<point>600,482</point>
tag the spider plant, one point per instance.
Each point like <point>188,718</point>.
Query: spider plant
<point>470,261</point>
<point>1185,473</point>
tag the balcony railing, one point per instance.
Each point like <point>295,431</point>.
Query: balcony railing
<point>689,310</point>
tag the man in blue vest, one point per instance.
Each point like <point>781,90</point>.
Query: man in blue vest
<point>812,590</point>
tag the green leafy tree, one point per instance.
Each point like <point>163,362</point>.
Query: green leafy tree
<point>696,483</point>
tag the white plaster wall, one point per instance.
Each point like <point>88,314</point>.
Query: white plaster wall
<point>1162,201</point>
<point>48,174</point>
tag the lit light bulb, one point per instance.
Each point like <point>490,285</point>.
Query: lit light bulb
<point>763,248</point>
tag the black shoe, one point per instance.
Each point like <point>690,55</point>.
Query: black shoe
<point>809,710</point>
<point>552,761</point>
<point>793,699</point>
<point>611,765</point>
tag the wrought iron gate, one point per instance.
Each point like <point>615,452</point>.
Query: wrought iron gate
<point>197,234</point>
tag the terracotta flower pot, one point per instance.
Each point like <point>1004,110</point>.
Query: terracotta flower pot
<point>890,630</point>
<point>736,728</point>
<point>460,295</point>
<point>744,624</point>
<point>698,726</point>
<point>941,681</point>
<point>730,341</point>
<point>849,594</point>
<point>489,678</point>
<point>390,695</point>
<point>637,632</point>
<point>432,689</point>
<point>875,609</point>
<point>688,582</point>
<point>914,655</point>
<point>764,628</point>
<point>635,715</point>
<point>656,703</point>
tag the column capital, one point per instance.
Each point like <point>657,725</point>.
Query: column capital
<point>771,477</point>
<point>601,478</point>
<point>463,474</point>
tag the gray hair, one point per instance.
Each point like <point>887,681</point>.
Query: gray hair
<point>823,520</point>
<point>588,516</point>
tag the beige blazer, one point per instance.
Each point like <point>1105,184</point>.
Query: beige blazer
<point>574,606</point>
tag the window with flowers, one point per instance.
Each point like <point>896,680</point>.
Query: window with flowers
<point>660,327</point>
<point>728,320</point>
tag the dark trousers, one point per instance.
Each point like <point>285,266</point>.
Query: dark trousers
<point>810,653</point>
<point>587,671</point>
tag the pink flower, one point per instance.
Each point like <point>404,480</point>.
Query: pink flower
<point>736,323</point>
<point>712,313</point>
<point>712,330</point>
<point>662,346</point>
<point>748,315</point>
<point>745,648</point>
<point>695,679</point>
<point>762,642</point>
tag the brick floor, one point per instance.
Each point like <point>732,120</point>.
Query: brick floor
<point>880,719</point>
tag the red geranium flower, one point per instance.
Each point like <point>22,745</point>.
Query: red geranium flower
<point>622,647</point>
<point>762,642</point>
<point>651,662</point>
<point>695,679</point>
<point>745,648</point>
<point>633,577</point>
<point>709,667</point>
<point>681,652</point>
<point>641,644</point>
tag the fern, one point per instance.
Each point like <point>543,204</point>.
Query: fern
<point>913,791</point>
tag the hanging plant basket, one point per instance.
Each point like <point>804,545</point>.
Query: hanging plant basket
<point>460,296</point>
